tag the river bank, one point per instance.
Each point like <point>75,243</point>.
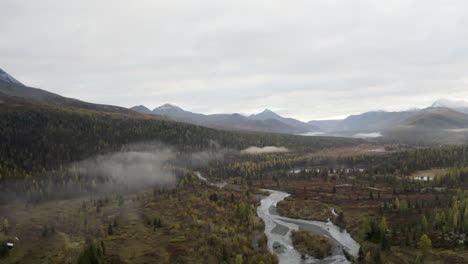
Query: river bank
<point>278,231</point>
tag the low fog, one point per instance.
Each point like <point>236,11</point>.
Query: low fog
<point>131,168</point>
<point>267,149</point>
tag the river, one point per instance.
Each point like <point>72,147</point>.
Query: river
<point>278,231</point>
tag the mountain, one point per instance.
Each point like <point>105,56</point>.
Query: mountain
<point>223,121</point>
<point>240,122</point>
<point>440,125</point>
<point>325,125</point>
<point>7,78</point>
<point>11,87</point>
<point>266,121</point>
<point>373,121</point>
<point>368,122</point>
<point>445,122</point>
<point>172,110</point>
<point>457,105</point>
<point>299,126</point>
<point>141,109</point>
<point>266,114</point>
<point>378,121</point>
<point>450,103</point>
<point>45,97</point>
<point>437,118</point>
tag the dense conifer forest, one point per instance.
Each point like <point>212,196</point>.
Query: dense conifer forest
<point>38,137</point>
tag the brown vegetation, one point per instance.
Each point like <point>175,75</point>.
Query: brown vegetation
<point>311,244</point>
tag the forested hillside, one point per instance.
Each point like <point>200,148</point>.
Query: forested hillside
<point>44,97</point>
<point>37,137</point>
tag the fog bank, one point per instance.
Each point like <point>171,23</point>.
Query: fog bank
<point>131,168</point>
<point>267,149</point>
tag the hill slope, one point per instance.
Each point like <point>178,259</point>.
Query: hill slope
<point>45,97</point>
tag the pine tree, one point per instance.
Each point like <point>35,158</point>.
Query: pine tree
<point>110,231</point>
<point>361,254</point>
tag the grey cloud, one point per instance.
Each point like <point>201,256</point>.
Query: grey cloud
<point>309,59</point>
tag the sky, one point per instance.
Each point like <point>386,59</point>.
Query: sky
<point>320,59</point>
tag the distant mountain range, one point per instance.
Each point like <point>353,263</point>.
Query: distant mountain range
<point>372,121</point>
<point>267,121</point>
<point>443,117</point>
<point>445,121</point>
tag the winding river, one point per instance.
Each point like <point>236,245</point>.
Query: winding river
<point>278,231</point>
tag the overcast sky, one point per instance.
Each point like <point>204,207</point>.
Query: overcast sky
<point>306,59</point>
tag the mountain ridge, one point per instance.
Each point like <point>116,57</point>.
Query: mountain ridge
<point>266,121</point>
<point>44,97</point>
<point>442,115</point>
<point>7,78</point>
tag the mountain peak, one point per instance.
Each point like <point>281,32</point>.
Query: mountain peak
<point>168,108</point>
<point>141,109</point>
<point>450,103</point>
<point>7,78</point>
<point>266,114</point>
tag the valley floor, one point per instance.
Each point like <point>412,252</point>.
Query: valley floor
<point>196,223</point>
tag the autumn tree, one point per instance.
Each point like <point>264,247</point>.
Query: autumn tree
<point>239,259</point>
<point>425,245</point>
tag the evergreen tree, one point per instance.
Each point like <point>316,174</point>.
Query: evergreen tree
<point>110,231</point>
